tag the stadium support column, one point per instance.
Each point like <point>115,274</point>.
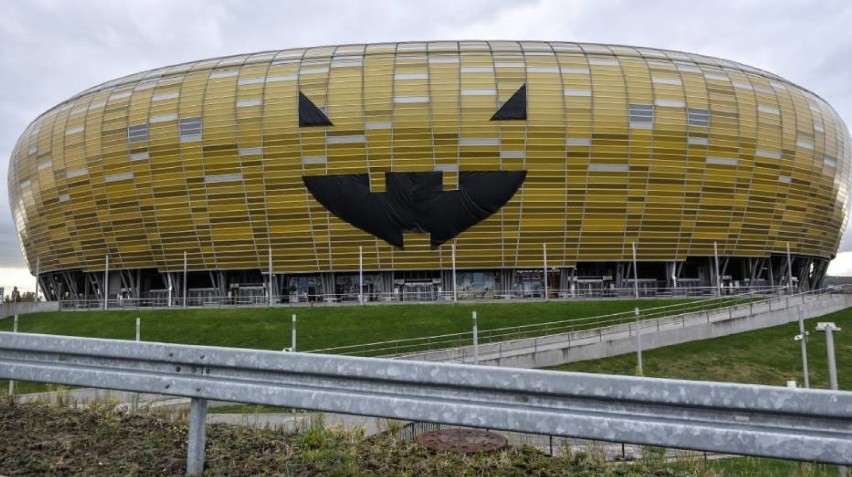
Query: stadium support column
<point>636,311</point>
<point>360,275</point>
<point>105,287</point>
<point>184,279</point>
<point>38,272</point>
<point>718,281</point>
<point>169,288</point>
<point>544,255</point>
<point>453,251</point>
<point>789,271</point>
<point>271,299</point>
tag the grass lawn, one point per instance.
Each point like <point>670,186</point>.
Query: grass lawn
<point>768,356</point>
<point>320,327</point>
<point>756,467</point>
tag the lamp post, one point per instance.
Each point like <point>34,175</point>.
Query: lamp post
<point>802,338</point>
<point>829,328</point>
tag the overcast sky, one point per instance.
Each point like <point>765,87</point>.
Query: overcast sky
<point>51,50</point>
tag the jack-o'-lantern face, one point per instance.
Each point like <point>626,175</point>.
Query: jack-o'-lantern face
<point>415,202</point>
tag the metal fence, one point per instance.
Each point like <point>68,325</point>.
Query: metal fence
<point>800,424</point>
<point>648,317</point>
<point>329,299</point>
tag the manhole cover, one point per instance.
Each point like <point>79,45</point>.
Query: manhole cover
<point>463,441</point>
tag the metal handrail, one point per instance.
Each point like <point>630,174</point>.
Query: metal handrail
<point>449,340</point>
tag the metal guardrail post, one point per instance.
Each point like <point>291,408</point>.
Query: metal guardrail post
<point>138,329</point>
<point>197,436</point>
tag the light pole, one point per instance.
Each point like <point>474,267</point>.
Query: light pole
<point>802,338</point>
<point>829,328</point>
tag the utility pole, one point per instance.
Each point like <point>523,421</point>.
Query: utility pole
<point>802,338</point>
<point>829,328</point>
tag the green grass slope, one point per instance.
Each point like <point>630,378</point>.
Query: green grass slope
<point>768,356</point>
<point>319,327</point>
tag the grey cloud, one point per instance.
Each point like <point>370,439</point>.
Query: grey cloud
<point>55,49</point>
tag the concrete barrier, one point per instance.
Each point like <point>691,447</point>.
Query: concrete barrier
<point>620,339</point>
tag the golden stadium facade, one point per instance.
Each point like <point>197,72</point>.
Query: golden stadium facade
<point>594,148</point>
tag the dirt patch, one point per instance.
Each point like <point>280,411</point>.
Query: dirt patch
<point>47,440</point>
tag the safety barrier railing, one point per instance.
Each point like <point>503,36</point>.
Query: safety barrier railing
<point>745,419</point>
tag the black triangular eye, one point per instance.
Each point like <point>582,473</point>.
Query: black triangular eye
<point>310,114</point>
<point>514,108</point>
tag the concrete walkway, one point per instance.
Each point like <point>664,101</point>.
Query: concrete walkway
<point>596,343</point>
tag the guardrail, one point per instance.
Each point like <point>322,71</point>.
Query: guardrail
<point>799,424</point>
<point>329,299</point>
<point>675,311</point>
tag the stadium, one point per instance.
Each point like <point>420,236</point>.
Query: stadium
<point>427,171</point>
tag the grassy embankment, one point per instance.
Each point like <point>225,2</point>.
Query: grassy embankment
<point>41,440</point>
<point>319,327</point>
<point>768,356</point>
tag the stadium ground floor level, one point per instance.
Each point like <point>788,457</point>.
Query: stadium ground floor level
<point>694,276</point>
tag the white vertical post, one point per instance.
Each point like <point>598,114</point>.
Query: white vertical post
<point>832,364</point>
<point>453,250</point>
<point>38,272</point>
<point>718,278</point>
<point>635,274</point>
<point>804,343</point>
<point>475,341</point>
<point>169,279</point>
<point>197,436</point>
<point>544,255</point>
<point>636,312</point>
<point>270,276</point>
<point>184,278</point>
<point>138,329</point>
<point>293,335</point>
<point>361,275</point>
<point>789,271</point>
<point>105,287</point>
<point>11,381</point>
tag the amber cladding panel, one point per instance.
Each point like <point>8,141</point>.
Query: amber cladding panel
<point>673,151</point>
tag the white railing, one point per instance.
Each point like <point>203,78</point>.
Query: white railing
<point>405,297</point>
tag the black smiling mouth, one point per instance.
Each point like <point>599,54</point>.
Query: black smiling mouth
<point>415,202</point>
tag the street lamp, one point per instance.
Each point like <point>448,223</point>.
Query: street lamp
<point>829,328</point>
<point>802,338</point>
